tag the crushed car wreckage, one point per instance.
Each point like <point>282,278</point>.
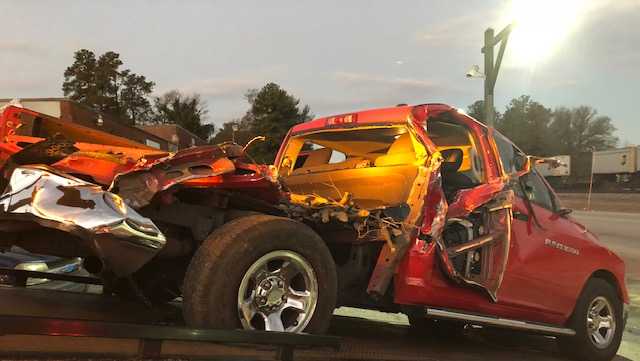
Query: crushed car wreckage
<point>395,209</point>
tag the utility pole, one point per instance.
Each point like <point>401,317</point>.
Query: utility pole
<point>492,66</point>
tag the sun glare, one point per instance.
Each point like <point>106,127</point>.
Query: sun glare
<point>541,26</point>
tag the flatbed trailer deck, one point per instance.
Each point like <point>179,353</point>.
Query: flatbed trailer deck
<point>40,324</point>
<point>101,330</point>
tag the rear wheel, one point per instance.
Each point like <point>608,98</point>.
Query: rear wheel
<point>598,322</point>
<point>261,272</point>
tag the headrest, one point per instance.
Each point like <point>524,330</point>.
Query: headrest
<point>452,159</point>
<point>317,157</point>
<point>401,145</point>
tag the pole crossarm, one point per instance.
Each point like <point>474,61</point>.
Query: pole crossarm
<point>494,74</point>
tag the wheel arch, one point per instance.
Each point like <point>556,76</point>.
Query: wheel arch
<point>607,276</point>
<point>611,278</point>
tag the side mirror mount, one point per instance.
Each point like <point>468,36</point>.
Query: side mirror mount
<point>524,167</point>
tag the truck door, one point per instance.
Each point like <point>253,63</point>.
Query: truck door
<point>474,248</point>
<point>548,248</point>
<point>529,277</point>
<point>480,260</point>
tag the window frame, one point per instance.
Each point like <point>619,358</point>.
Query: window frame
<point>476,149</point>
<point>497,136</point>
<point>543,182</point>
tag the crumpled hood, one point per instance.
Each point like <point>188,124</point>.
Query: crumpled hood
<point>138,185</point>
<point>56,200</point>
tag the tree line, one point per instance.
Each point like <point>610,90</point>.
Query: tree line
<point>543,131</point>
<point>102,84</point>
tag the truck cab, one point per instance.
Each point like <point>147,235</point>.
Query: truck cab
<point>485,233</point>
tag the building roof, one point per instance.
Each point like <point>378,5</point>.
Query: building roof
<point>168,131</point>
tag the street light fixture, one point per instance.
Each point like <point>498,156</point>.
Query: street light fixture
<point>538,26</point>
<point>491,67</point>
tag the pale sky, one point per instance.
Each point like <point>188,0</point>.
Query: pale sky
<point>336,56</point>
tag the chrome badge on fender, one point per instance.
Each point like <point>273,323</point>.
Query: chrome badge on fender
<point>563,247</point>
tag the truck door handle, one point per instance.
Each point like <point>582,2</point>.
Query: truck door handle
<point>521,216</point>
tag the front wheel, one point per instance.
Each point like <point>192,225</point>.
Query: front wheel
<point>261,272</point>
<point>598,322</point>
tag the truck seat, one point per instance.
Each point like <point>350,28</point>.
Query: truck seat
<point>371,187</point>
<point>400,152</point>
<point>317,157</point>
<point>351,163</point>
<point>452,179</point>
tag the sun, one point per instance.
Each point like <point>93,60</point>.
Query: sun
<point>540,28</point>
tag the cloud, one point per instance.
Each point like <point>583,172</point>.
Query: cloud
<point>21,86</point>
<point>229,87</point>
<point>221,88</point>
<point>373,82</point>
<point>21,48</point>
<point>457,31</point>
<point>356,91</point>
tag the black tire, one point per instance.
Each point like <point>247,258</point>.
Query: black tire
<point>213,278</point>
<point>581,346</point>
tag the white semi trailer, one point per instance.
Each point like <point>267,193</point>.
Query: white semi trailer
<point>613,170</point>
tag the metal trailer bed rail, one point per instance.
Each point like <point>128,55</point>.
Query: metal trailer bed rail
<point>152,337</point>
<point>29,334</point>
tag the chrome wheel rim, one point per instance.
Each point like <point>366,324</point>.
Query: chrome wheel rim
<point>601,322</point>
<point>279,292</point>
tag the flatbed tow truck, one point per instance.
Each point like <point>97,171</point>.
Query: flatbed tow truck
<point>459,237</point>
<point>42,324</point>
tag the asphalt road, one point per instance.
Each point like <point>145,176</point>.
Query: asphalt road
<point>621,233</point>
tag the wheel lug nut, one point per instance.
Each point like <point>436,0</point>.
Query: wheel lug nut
<point>267,285</point>
<point>284,298</point>
<point>280,284</point>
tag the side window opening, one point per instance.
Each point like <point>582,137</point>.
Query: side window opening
<point>462,167</point>
<point>337,157</point>
<point>361,161</point>
<point>353,149</point>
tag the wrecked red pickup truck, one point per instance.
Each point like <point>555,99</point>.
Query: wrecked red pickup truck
<point>413,209</point>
